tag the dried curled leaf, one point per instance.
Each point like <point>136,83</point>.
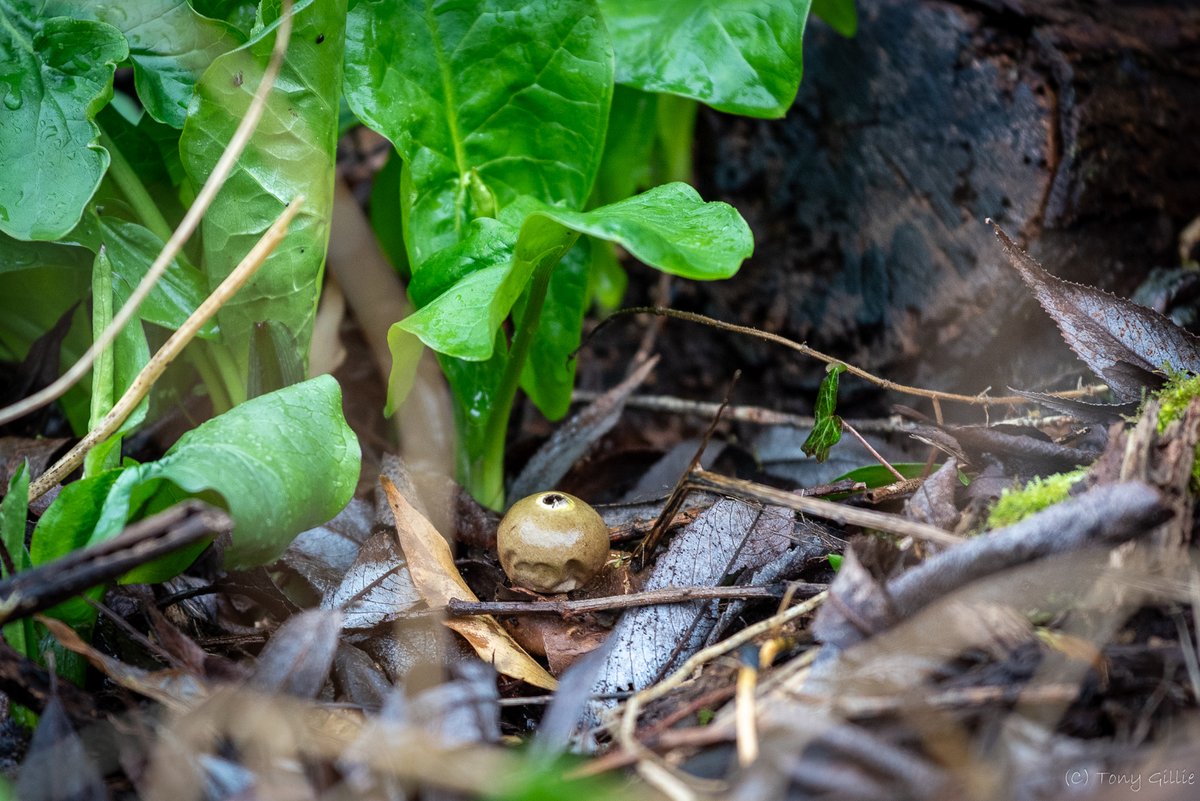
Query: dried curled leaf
<point>1125,344</point>
<point>431,565</point>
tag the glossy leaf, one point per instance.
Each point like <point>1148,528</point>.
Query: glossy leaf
<point>132,249</point>
<point>281,463</point>
<point>513,97</point>
<point>548,375</point>
<point>827,428</point>
<point>292,152</point>
<point>876,475</point>
<point>57,73</point>
<point>170,45</point>
<point>669,228</point>
<point>1127,345</point>
<point>742,57</point>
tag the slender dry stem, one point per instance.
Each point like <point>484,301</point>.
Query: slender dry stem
<point>171,249</point>
<point>933,394</point>
<point>170,349</point>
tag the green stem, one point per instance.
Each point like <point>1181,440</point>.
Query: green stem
<point>104,386</point>
<point>487,475</point>
<point>203,362</point>
<point>232,377</point>
<point>135,192</point>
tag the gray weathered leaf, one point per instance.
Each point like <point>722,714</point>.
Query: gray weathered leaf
<point>1125,344</point>
<point>728,537</point>
<point>297,659</point>
<point>572,439</point>
<point>377,588</point>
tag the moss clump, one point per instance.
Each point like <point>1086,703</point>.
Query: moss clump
<point>1016,505</point>
<point>1173,399</point>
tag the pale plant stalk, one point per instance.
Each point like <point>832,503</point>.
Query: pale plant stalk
<point>170,349</point>
<point>187,227</point>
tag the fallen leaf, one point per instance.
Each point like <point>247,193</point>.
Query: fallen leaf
<point>57,766</point>
<point>1125,344</point>
<point>572,439</point>
<point>175,689</point>
<point>432,567</point>
<point>297,658</point>
<point>377,588</point>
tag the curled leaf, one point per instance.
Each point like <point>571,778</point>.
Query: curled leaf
<point>431,565</point>
<point>1125,344</point>
<point>827,428</point>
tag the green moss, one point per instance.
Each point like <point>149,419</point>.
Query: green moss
<point>1174,397</point>
<point>1016,505</point>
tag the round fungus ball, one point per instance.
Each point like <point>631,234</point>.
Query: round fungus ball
<point>552,542</point>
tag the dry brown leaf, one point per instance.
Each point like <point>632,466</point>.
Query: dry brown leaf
<point>174,689</point>
<point>437,578</point>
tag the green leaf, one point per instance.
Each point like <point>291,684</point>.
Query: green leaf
<point>625,167</point>
<point>827,430</point>
<point>386,218</point>
<point>292,152</point>
<point>132,248</point>
<point>151,149</point>
<point>741,57</point>
<point>36,297</point>
<point>17,255</point>
<point>282,463</point>
<point>169,43</point>
<point>65,527</point>
<point>839,14</point>
<point>669,228</point>
<point>876,475</point>
<point>548,375</point>
<point>14,509</point>
<point>516,92</point>
<point>57,74</point>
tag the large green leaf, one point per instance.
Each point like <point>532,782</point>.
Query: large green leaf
<point>132,249</point>
<point>55,74</point>
<point>292,152</point>
<point>33,299</point>
<point>481,99</point>
<point>742,56</point>
<point>548,375</point>
<point>169,43</point>
<point>281,463</point>
<point>669,228</point>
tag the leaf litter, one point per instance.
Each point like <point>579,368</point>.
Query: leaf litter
<point>931,664</point>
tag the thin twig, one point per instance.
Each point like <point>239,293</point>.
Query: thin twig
<point>933,394</point>
<point>828,510</point>
<point>170,349</point>
<point>645,549</point>
<point>669,595</point>
<point>700,658</point>
<point>878,457</point>
<point>175,244</point>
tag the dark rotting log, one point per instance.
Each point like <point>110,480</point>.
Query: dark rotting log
<point>1072,122</point>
